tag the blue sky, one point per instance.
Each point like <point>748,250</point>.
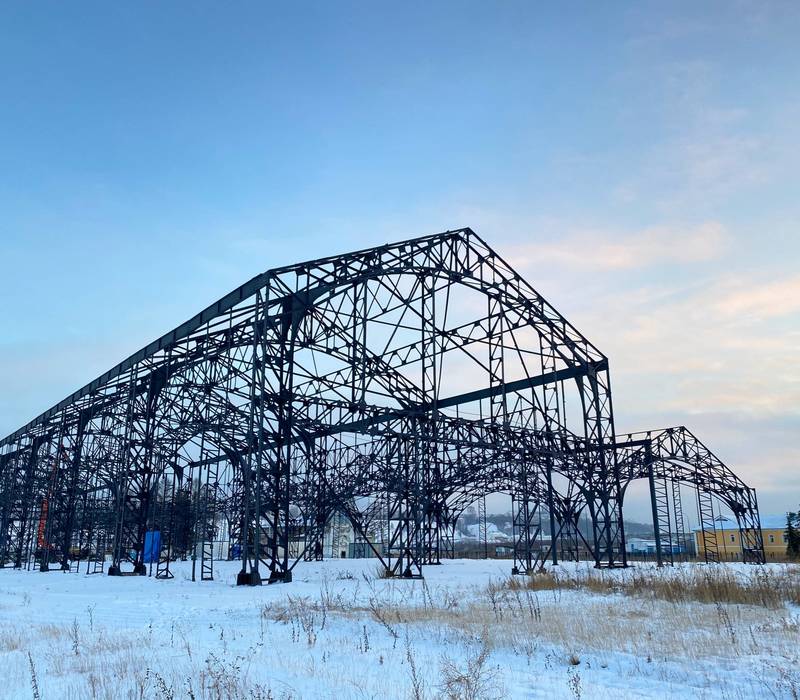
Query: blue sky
<point>638,163</point>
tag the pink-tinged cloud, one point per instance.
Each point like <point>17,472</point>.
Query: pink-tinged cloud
<point>777,298</point>
<point>713,349</point>
<point>604,251</point>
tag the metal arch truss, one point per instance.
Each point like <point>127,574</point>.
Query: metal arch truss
<point>391,387</point>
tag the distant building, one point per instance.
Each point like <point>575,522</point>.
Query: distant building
<point>637,545</point>
<point>729,542</point>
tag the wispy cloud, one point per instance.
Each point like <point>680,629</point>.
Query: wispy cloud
<point>713,348</point>
<point>761,301</point>
<point>604,250</point>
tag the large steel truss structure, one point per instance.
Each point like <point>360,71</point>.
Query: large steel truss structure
<point>393,387</point>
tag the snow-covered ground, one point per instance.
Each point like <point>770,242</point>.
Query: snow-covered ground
<point>339,631</point>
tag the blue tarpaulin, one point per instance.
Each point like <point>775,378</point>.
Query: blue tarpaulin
<point>152,545</point>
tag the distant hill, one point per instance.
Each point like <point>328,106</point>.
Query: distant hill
<point>501,523</point>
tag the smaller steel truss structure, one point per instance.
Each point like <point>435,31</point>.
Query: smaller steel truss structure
<point>670,457</point>
<point>391,388</point>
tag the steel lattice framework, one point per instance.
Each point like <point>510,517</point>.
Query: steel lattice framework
<point>393,386</point>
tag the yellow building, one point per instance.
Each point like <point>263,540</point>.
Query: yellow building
<point>729,542</point>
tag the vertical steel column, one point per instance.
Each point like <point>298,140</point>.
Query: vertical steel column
<point>404,520</point>
<point>708,528</point>
<point>750,534</point>
<point>8,491</point>
<point>28,485</point>
<point>483,535</point>
<point>72,488</point>
<point>526,523</point>
<point>606,511</point>
<point>654,502</point>
<point>52,501</point>
<point>166,551</point>
<point>427,442</point>
<point>677,512</point>
<point>251,465</point>
<point>551,511</point>
<point>122,482</point>
<point>551,419</point>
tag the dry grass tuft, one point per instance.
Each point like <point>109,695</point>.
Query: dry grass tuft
<point>382,572</point>
<point>475,681</point>
<point>713,584</point>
